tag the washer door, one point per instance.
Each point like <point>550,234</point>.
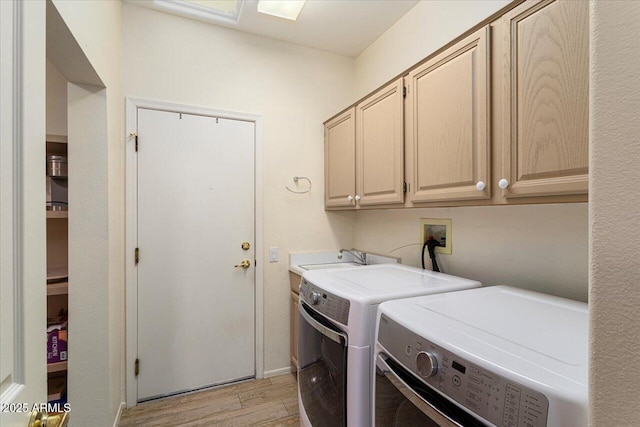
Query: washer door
<point>322,369</point>
<point>403,401</point>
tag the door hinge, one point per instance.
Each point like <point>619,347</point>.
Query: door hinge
<point>136,255</point>
<point>404,94</point>
<point>404,187</point>
<point>137,367</point>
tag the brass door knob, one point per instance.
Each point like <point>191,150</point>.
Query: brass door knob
<point>42,419</point>
<point>244,264</point>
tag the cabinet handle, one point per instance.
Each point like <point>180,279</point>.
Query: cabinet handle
<point>357,198</point>
<point>481,186</point>
<point>503,183</point>
<point>350,199</point>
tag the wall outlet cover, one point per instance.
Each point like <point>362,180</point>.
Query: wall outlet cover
<point>438,229</point>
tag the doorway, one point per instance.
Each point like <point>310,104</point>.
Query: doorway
<point>193,243</point>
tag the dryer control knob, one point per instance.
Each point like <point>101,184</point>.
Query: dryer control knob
<point>315,298</point>
<point>427,364</point>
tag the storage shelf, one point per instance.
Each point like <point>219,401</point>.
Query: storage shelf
<point>59,139</point>
<point>61,288</point>
<point>57,214</point>
<point>57,244</point>
<point>55,274</point>
<point>57,367</point>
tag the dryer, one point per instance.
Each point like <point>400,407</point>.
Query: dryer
<point>336,330</point>
<point>496,356</point>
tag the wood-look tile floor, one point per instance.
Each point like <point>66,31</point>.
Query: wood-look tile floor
<point>267,402</point>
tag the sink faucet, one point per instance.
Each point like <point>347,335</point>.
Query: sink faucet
<point>360,256</point>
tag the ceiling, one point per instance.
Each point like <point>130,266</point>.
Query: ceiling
<point>345,27</point>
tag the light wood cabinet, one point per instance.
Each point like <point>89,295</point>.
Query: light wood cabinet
<point>364,152</point>
<point>294,281</point>
<point>380,147</point>
<point>340,160</point>
<point>545,99</point>
<point>448,126</point>
<point>499,115</point>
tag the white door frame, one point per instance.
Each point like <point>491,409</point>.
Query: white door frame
<point>131,208</point>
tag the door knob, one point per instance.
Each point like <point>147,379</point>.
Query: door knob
<point>245,263</point>
<point>42,419</point>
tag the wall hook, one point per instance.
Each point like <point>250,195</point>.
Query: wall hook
<point>296,179</point>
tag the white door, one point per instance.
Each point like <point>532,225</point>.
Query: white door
<point>196,320</point>
<point>23,377</point>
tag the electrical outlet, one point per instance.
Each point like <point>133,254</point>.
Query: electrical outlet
<point>273,254</point>
<point>438,229</point>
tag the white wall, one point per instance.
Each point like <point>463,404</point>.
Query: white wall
<point>537,247</point>
<point>614,214</point>
<point>294,88</point>
<point>423,30</point>
<point>56,101</point>
<point>90,376</point>
<point>540,247</point>
<point>96,25</point>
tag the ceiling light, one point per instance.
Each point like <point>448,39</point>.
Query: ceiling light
<point>287,9</point>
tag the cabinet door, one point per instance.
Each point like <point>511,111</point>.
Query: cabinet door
<point>379,147</point>
<point>546,98</point>
<point>448,123</point>
<point>294,331</point>
<point>340,160</point>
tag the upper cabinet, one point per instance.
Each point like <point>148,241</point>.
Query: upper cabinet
<point>364,152</point>
<point>379,147</point>
<point>545,99</point>
<point>498,116</point>
<point>340,160</point>
<point>448,123</point>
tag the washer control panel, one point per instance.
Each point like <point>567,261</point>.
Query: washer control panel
<point>490,396</point>
<point>332,306</point>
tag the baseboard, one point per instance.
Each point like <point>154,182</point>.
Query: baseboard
<point>276,372</point>
<point>117,421</point>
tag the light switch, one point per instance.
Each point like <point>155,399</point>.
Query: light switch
<point>273,254</point>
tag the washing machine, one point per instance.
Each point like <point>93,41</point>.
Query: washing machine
<point>336,330</point>
<point>496,356</point>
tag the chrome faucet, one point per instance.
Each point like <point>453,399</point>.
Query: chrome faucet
<point>360,256</point>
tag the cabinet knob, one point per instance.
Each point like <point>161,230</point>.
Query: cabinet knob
<point>503,183</point>
<point>357,198</point>
<point>350,198</point>
<point>481,186</point>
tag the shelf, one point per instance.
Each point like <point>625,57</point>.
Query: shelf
<point>60,139</point>
<point>61,288</point>
<point>54,274</point>
<point>57,367</point>
<point>57,214</point>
